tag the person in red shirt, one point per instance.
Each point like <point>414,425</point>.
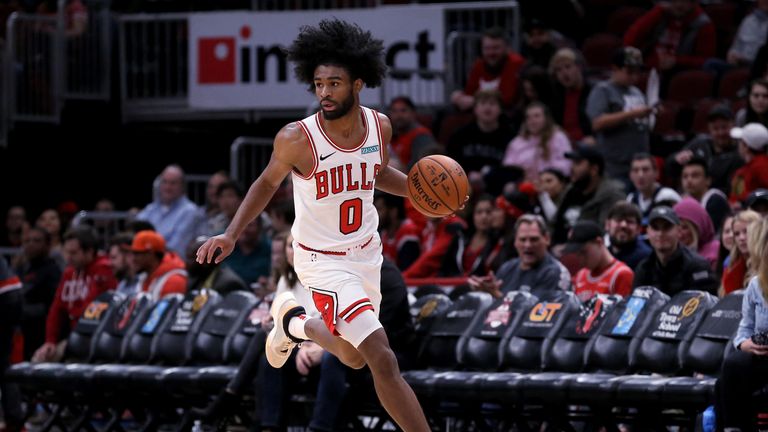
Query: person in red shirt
<point>165,271</point>
<point>436,240</point>
<point>601,273</point>
<point>87,275</point>
<point>411,141</point>
<point>674,35</point>
<point>753,141</point>
<point>498,68</point>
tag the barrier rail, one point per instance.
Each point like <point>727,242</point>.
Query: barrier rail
<point>87,53</point>
<point>248,158</point>
<point>106,223</point>
<point>427,88</point>
<point>283,5</point>
<point>7,253</point>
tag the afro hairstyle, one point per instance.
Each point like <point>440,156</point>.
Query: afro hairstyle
<point>336,42</point>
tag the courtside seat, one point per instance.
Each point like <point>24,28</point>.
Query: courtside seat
<point>613,350</point>
<point>438,349</point>
<point>705,355</point>
<point>522,347</point>
<point>45,376</point>
<point>664,346</point>
<point>217,329</point>
<point>478,348</point>
<point>425,311</point>
<point>566,351</point>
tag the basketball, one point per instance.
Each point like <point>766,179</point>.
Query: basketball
<point>437,186</point>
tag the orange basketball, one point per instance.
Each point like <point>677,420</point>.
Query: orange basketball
<point>437,186</point>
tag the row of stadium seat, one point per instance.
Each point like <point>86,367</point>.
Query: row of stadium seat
<point>646,352</point>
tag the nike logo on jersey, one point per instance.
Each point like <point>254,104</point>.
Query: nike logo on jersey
<point>324,157</point>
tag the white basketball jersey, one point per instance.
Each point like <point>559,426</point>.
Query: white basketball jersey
<point>334,202</point>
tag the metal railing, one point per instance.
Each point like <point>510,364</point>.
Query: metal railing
<point>105,223</point>
<point>7,253</point>
<point>87,53</point>
<point>287,5</point>
<point>248,157</point>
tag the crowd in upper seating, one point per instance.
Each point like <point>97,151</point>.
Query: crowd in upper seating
<point>582,179</point>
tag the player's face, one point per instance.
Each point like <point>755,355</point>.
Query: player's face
<point>335,90</point>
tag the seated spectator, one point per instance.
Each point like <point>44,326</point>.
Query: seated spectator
<point>624,228</point>
<point>647,192</point>
<point>590,195</point>
<point>740,269</point>
<point>228,197</point>
<point>716,148</point>
<point>619,114</point>
<point>674,35</point>
<point>121,260</point>
<point>600,272</point>
<point>750,36</point>
<point>40,275</point>
<point>15,225</point>
<point>251,257</point>
<point>569,97</point>
<point>535,270</point>
<point>436,239</point>
<point>671,267</point>
<point>281,215</point>
<point>497,69</point>
<point>482,143</point>
<point>538,45</point>
<point>758,201</point>
<point>552,185</point>
<point>753,143</point>
<point>210,276</point>
<point>756,110</point>
<point>696,184</point>
<point>50,221</point>
<point>87,275</point>
<point>541,144</point>
<point>164,271</point>
<point>473,252</point>
<point>535,86</point>
<point>410,140</point>
<point>744,370</point>
<point>697,232</point>
<point>10,318</point>
<point>174,216</point>
<point>727,243</point>
<point>211,207</point>
<point>399,234</point>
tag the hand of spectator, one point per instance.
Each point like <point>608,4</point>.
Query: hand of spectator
<point>589,140</point>
<point>641,111</point>
<point>734,58</point>
<point>309,355</point>
<point>752,348</point>
<point>208,250</point>
<point>488,284</point>
<point>682,157</point>
<point>44,353</point>
<point>462,101</point>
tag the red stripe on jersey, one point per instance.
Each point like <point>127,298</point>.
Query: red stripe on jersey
<point>314,153</point>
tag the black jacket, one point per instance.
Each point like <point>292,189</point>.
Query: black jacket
<point>685,271</point>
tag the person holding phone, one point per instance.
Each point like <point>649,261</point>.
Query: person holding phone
<point>746,369</point>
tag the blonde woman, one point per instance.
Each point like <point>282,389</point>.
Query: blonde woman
<point>737,274</point>
<point>746,369</point>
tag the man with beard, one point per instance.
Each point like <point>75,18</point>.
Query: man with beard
<point>590,195</point>
<point>535,270</point>
<point>623,227</point>
<point>210,276</point>
<point>335,158</point>
<point>497,69</point>
<point>411,141</point>
<point>716,148</point>
<point>120,260</point>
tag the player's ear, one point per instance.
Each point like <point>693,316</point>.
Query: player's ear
<point>358,84</point>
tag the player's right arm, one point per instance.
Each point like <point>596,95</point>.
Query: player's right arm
<point>289,151</point>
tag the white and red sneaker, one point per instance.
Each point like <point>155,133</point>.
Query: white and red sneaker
<point>279,342</point>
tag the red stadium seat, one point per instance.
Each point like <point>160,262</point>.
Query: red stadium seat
<point>687,87</point>
<point>623,17</point>
<point>451,123</point>
<point>598,50</point>
<point>731,82</point>
<point>700,114</point>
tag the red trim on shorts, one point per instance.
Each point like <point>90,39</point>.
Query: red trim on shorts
<point>327,304</point>
<point>338,253</point>
<point>354,305</point>
<point>358,311</point>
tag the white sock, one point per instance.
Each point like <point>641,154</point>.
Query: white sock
<point>296,327</point>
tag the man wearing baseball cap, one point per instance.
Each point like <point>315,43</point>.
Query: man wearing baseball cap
<point>601,273</point>
<point>671,267</point>
<point>758,201</point>
<point>164,271</point>
<point>753,141</point>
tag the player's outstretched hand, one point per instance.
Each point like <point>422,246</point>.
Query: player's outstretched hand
<point>207,251</point>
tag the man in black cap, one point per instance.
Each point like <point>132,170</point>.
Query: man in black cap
<point>619,114</point>
<point>601,273</point>
<point>716,148</point>
<point>671,267</point>
<point>758,201</point>
<point>590,195</point>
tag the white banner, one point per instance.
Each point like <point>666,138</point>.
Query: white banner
<point>236,59</point>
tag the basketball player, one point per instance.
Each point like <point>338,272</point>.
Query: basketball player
<point>335,158</point>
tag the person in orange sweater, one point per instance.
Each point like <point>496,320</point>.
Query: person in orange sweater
<point>87,275</point>
<point>164,271</point>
